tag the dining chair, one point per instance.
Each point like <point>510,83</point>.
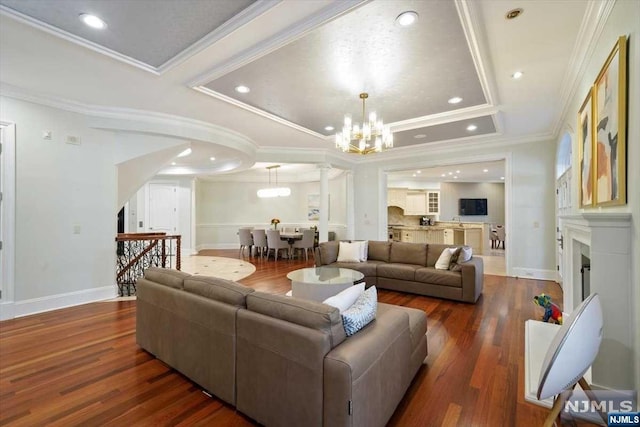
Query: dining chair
<point>305,243</point>
<point>500,233</point>
<point>246,241</point>
<point>274,242</point>
<point>287,230</point>
<point>260,241</point>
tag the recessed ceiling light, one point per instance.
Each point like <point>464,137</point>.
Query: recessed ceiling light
<point>502,177</point>
<point>517,75</point>
<point>457,171</point>
<point>407,18</point>
<point>242,89</point>
<point>173,163</point>
<point>414,175</point>
<point>455,177</point>
<point>212,158</point>
<point>185,153</point>
<point>485,170</point>
<point>93,21</point>
<point>420,136</point>
<point>328,128</point>
<point>471,128</point>
<point>450,173</point>
<point>444,174</point>
<point>514,13</point>
<point>455,100</point>
<point>418,171</point>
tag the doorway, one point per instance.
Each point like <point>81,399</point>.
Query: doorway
<point>163,207</point>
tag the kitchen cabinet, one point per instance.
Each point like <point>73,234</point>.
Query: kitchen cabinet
<point>448,236</point>
<point>416,203</point>
<point>433,202</point>
<point>397,197</point>
<point>408,236</point>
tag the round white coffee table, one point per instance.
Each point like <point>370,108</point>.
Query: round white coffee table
<point>320,283</point>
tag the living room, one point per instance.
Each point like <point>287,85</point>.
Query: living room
<point>67,191</point>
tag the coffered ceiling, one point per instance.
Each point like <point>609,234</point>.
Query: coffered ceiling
<point>305,62</point>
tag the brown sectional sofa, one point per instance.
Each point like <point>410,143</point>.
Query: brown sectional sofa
<point>280,360</point>
<point>410,267</point>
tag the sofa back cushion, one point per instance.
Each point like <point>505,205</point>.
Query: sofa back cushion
<point>409,253</point>
<point>166,276</point>
<point>218,289</point>
<point>306,313</point>
<point>329,252</point>
<point>434,251</point>
<point>379,251</point>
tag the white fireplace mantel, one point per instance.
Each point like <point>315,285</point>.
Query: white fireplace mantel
<point>608,236</point>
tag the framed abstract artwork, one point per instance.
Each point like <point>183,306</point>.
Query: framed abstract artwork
<point>585,141</point>
<point>610,124</point>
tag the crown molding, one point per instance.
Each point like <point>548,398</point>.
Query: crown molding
<point>20,17</point>
<point>469,18</point>
<point>279,40</point>
<point>228,27</point>
<point>591,28</point>
<point>257,111</point>
<point>234,23</point>
<point>132,120</point>
<point>444,117</point>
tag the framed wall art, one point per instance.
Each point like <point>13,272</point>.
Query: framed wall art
<point>610,124</point>
<point>585,141</point>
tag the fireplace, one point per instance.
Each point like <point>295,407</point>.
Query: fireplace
<point>602,241</point>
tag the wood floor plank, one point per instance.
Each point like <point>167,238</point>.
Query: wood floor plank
<point>81,366</point>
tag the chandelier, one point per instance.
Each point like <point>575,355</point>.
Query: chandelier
<point>371,138</point>
<point>274,191</point>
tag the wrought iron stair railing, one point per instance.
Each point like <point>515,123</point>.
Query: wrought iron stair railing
<point>138,251</point>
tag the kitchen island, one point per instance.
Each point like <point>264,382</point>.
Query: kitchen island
<point>449,233</point>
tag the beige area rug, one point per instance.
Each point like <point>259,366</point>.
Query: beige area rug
<point>225,268</point>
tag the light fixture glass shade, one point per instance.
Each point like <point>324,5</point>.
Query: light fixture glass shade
<point>265,193</point>
<point>372,137</point>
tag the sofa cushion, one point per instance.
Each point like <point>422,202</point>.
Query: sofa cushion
<point>218,289</point>
<point>378,251</point>
<point>345,299</point>
<point>444,260</point>
<point>438,277</point>
<point>417,321</point>
<point>398,271</point>
<point>306,313</point>
<point>329,252</point>
<point>361,313</point>
<point>349,252</point>
<point>166,276</point>
<point>408,253</point>
<point>367,268</point>
<point>434,250</point>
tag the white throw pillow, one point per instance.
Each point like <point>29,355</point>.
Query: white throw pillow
<point>349,252</point>
<point>465,254</point>
<point>445,259</point>
<point>364,250</point>
<point>345,299</point>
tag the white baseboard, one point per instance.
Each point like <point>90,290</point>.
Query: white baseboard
<point>12,309</point>
<point>534,273</point>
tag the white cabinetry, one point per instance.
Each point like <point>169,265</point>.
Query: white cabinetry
<point>397,197</point>
<point>433,202</point>
<point>416,203</point>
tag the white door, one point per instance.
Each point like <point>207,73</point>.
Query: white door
<point>163,208</point>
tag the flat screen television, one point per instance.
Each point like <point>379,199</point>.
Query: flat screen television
<point>473,207</point>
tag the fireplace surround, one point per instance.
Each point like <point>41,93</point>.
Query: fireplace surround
<point>607,237</point>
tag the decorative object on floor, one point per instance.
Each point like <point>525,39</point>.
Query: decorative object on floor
<point>571,353</point>
<point>585,141</point>
<point>609,128</point>
<point>275,222</point>
<point>551,310</point>
<point>274,191</point>
<point>224,268</point>
<point>371,138</point>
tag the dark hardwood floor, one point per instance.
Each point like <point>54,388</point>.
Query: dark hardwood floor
<point>81,365</point>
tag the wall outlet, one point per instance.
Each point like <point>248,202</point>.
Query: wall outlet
<point>46,134</point>
<point>536,224</point>
<point>77,229</point>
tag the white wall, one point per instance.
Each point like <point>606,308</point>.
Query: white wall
<point>223,207</point>
<point>66,214</point>
<point>452,192</point>
<point>624,20</point>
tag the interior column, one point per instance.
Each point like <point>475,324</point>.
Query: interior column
<point>323,226</point>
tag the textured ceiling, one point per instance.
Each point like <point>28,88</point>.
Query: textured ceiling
<point>468,172</point>
<point>408,72</point>
<point>150,31</point>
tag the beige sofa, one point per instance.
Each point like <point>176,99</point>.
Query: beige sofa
<point>279,360</point>
<point>410,267</point>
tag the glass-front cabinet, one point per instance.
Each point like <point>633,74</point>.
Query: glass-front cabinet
<point>433,202</point>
